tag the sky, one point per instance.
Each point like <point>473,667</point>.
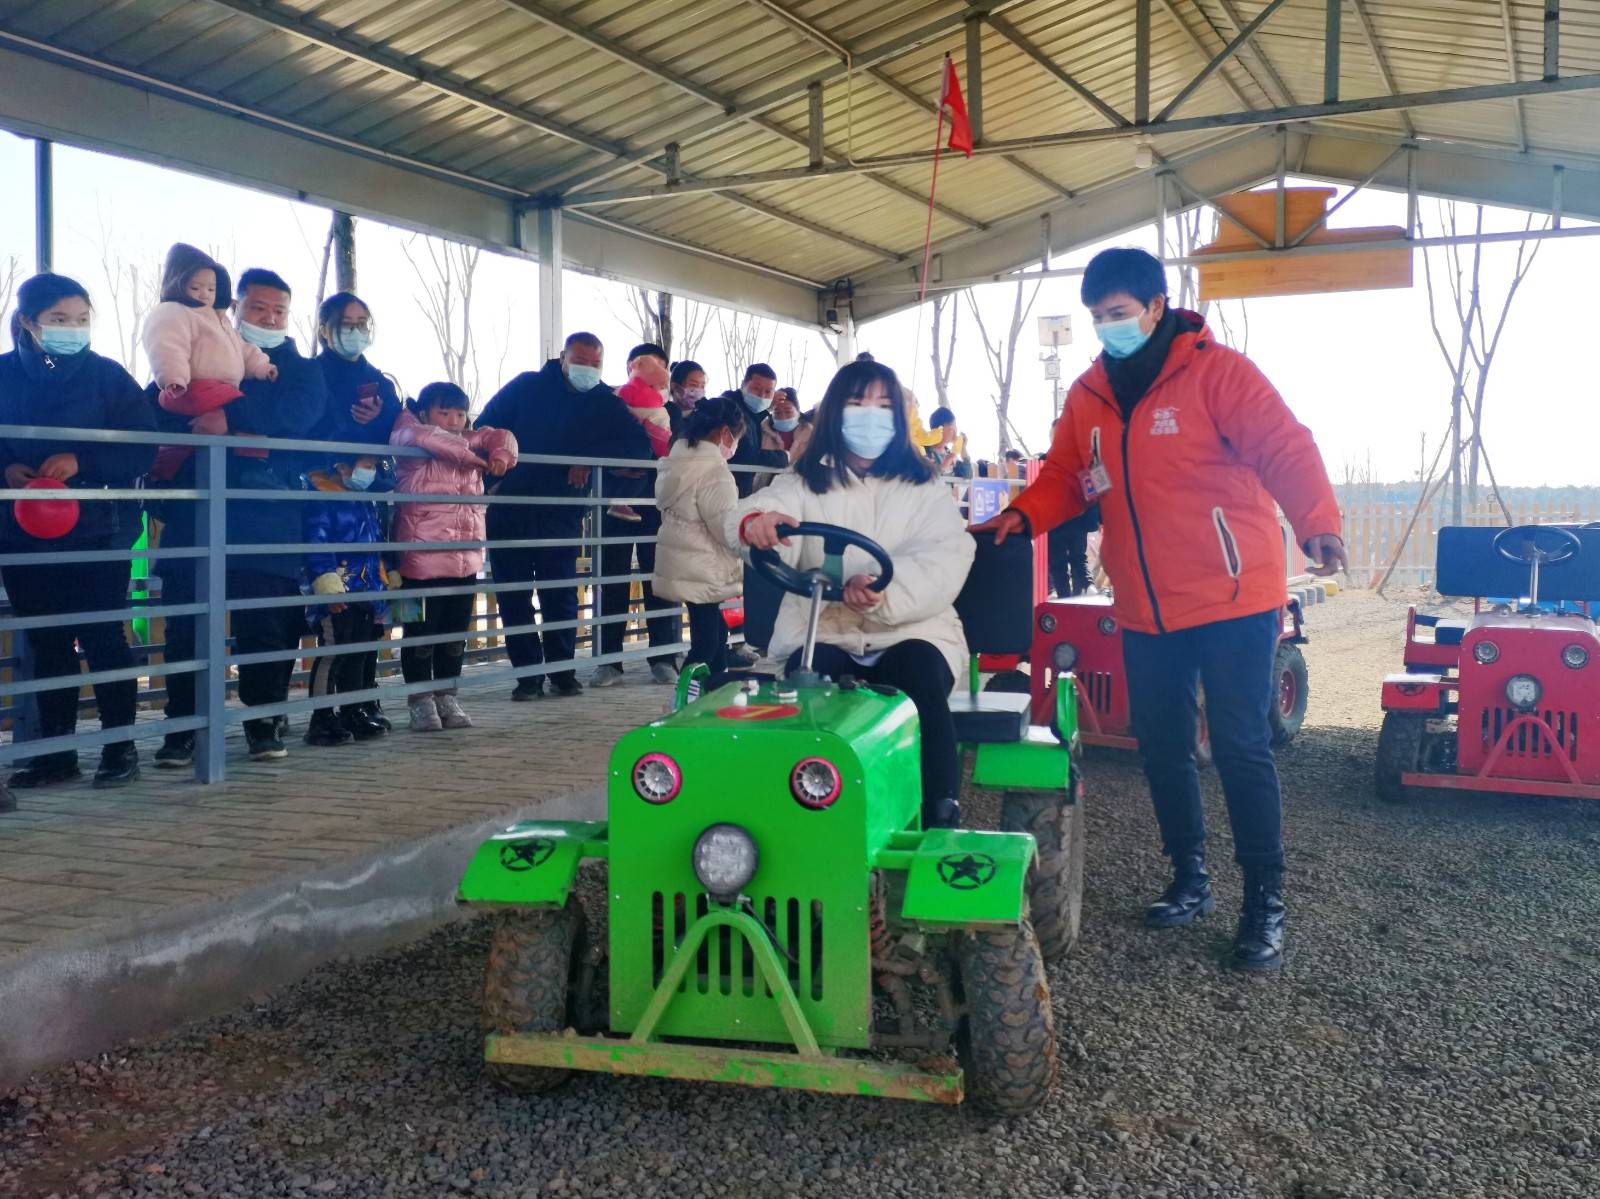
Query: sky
<point>1361,369</point>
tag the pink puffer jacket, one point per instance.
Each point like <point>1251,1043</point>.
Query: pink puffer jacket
<point>447,471</point>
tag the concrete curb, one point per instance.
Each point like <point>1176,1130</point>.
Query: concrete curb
<point>76,998</point>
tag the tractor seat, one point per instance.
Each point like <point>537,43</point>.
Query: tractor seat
<point>996,610</point>
<point>990,716</point>
<point>1449,632</point>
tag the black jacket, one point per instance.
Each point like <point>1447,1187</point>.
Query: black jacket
<point>548,417</point>
<point>344,380</point>
<point>749,451</point>
<point>80,391</point>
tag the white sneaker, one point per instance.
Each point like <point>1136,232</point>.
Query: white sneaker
<point>664,673</point>
<point>450,713</point>
<point>608,675</point>
<point>425,715</point>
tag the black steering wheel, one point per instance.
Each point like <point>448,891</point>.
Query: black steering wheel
<point>1537,545</point>
<point>770,566</point>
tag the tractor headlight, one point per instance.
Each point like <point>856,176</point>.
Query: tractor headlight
<point>725,860</point>
<point>1047,623</point>
<point>1575,656</point>
<point>1064,657</point>
<point>815,783</point>
<point>1523,691</point>
<point>1107,626</point>
<point>1486,652</point>
<point>657,778</point>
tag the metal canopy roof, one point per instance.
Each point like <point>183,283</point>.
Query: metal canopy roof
<point>754,152</point>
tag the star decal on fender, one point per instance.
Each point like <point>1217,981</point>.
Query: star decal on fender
<point>966,871</point>
<point>525,855</point>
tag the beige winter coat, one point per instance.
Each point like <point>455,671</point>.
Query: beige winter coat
<point>917,524</point>
<point>695,492</point>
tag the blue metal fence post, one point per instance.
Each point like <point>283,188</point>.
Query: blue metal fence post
<point>211,641</point>
<point>596,604</point>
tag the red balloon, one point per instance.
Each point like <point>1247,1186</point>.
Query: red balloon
<point>46,519</point>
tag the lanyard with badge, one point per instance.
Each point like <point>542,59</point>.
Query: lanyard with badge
<point>1096,479</point>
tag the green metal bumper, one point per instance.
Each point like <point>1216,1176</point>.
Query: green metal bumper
<point>738,1066</point>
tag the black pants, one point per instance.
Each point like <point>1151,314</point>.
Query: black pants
<point>663,619</point>
<point>506,522</point>
<point>1068,555</point>
<point>708,637</point>
<point>254,630</point>
<point>1233,658</point>
<point>761,603</point>
<point>342,673</point>
<point>918,669</point>
<point>440,662</point>
<point>51,590</point>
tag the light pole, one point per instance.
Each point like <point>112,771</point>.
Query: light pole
<point>1055,332</point>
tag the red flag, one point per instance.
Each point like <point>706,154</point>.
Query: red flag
<point>950,97</point>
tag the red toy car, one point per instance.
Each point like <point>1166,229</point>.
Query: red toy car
<point>1082,636</point>
<point>1505,702</point>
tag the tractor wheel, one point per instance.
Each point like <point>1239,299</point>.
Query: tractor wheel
<point>1055,880</point>
<point>528,987</point>
<point>1012,682</point>
<point>1291,691</point>
<point>1399,752</point>
<point>1007,1040</point>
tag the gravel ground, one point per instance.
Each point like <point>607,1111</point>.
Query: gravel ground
<point>1435,1032</point>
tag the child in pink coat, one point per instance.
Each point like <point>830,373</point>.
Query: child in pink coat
<point>459,457</point>
<point>197,357</point>
<point>645,394</point>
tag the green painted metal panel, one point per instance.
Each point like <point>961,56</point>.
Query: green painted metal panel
<point>531,863</point>
<point>1038,762</point>
<point>1067,708</point>
<point>735,753</point>
<point>706,1063</point>
<point>966,876</point>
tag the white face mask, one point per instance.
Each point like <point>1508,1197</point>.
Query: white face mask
<point>728,449</point>
<point>363,477</point>
<point>867,431</point>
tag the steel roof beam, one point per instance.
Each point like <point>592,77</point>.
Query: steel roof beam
<point>1254,118</point>
<point>1379,59</point>
<point>870,57</point>
<point>1284,94</point>
<point>1513,72</point>
<point>1228,52</point>
<point>1018,39</point>
<point>1202,49</point>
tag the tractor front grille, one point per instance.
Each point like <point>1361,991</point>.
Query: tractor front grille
<point>1099,688</point>
<point>725,964</point>
<point>1528,742</point>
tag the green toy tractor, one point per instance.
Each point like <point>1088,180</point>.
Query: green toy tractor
<point>776,914</point>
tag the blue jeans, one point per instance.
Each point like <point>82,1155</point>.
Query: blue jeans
<point>1233,658</point>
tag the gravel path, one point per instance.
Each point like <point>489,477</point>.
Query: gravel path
<point>1436,1033</point>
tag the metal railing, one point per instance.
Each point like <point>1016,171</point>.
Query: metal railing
<point>212,556</point>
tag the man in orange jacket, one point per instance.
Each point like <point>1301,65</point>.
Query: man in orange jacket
<point>1185,446</point>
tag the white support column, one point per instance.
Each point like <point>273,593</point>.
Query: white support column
<point>548,251</point>
<point>846,353</point>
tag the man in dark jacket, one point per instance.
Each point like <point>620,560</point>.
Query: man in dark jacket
<point>563,410</point>
<point>286,407</point>
<point>755,393</point>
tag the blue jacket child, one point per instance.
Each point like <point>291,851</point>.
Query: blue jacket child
<point>348,566</point>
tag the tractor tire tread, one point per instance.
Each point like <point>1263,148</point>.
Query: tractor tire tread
<point>1055,880</point>
<point>1399,751</point>
<point>527,986</point>
<point>1009,1043</point>
<point>1286,727</point>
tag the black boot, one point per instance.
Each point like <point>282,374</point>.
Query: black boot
<point>360,724</point>
<point>119,765</point>
<point>1258,945</point>
<point>325,729</point>
<point>941,813</point>
<point>45,770</point>
<point>1188,898</point>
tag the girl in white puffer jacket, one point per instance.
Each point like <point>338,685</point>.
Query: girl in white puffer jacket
<point>695,492</point>
<point>862,472</point>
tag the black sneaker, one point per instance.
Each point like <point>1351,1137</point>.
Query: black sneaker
<point>46,770</point>
<point>565,688</point>
<point>528,690</point>
<point>176,752</point>
<point>265,745</point>
<point>119,765</point>
<point>326,730</point>
<point>362,726</point>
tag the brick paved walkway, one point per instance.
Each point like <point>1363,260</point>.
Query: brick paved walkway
<point>74,860</point>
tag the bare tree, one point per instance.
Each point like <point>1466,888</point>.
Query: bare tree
<point>1475,343</point>
<point>342,239</point>
<point>445,270</point>
<point>796,356</point>
<point>677,325</point>
<point>1189,225</point>
<point>746,338</point>
<point>10,277</point>
<point>132,293</point>
<point>942,366</point>
<point>1002,356</point>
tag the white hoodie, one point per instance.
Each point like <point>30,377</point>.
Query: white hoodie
<point>920,528</point>
<point>695,492</point>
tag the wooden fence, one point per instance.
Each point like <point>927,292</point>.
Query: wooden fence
<point>1373,532</point>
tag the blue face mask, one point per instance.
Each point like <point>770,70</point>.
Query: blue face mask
<point>868,431</point>
<point>786,426</point>
<point>264,339</point>
<point>1122,339</point>
<point>754,402</point>
<point>362,477</point>
<point>583,378</point>
<point>62,340</point>
<point>351,343</point>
